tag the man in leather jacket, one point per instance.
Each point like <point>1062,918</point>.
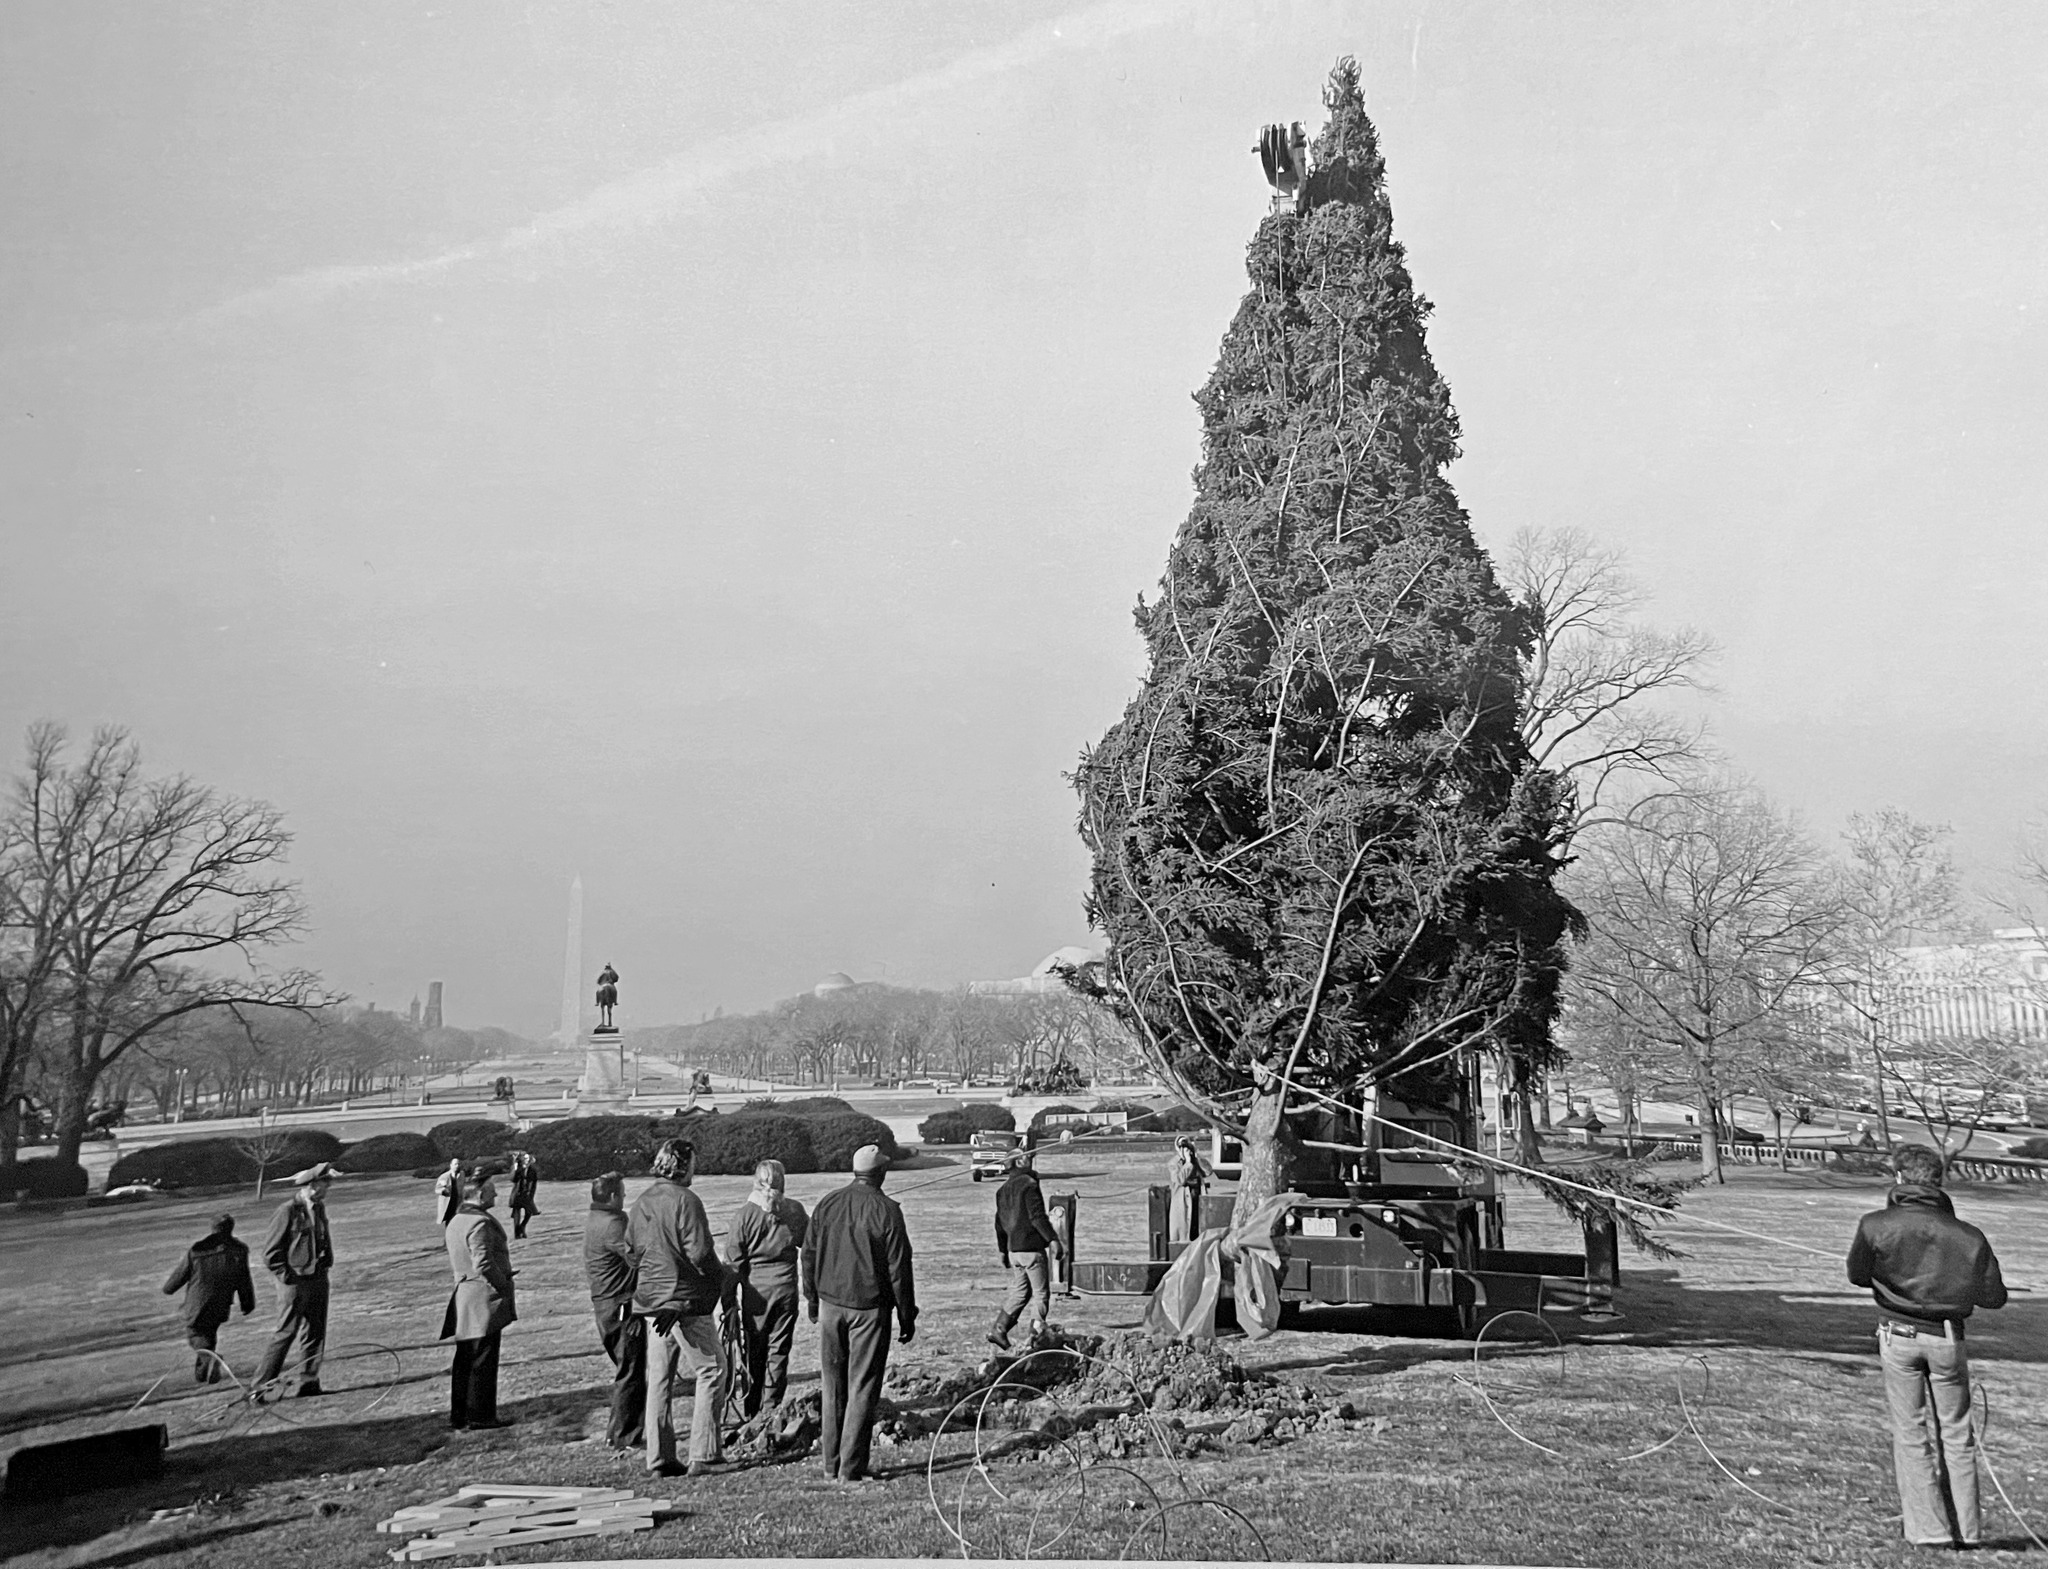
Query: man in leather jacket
<point>1928,1271</point>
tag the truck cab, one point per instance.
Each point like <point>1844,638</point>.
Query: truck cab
<point>989,1150</point>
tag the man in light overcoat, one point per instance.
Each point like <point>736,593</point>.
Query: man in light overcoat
<point>479,1307</point>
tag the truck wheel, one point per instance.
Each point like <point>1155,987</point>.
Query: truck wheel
<point>976,1175</point>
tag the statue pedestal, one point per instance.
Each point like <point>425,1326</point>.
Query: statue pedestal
<point>604,1092</point>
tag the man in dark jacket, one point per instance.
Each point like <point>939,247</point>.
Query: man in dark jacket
<point>609,1263</point>
<point>525,1191</point>
<point>1928,1272</point>
<point>213,1274</point>
<point>763,1244</point>
<point>479,1307</point>
<point>1024,1238</point>
<point>681,1280</point>
<point>300,1253</point>
<point>856,1263</point>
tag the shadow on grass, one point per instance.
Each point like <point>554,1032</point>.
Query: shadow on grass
<point>1658,1309</point>
<point>253,1458</point>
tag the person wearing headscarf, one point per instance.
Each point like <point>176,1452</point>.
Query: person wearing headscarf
<point>525,1191</point>
<point>479,1307</point>
<point>1186,1175</point>
<point>763,1244</point>
<point>214,1275</point>
<point>300,1252</point>
<point>612,1268</point>
<point>680,1285</point>
<point>856,1273</point>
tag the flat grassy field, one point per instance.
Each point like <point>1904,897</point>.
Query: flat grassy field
<point>1732,1416</point>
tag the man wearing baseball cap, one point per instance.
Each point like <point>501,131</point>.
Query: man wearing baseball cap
<point>300,1253</point>
<point>856,1272</point>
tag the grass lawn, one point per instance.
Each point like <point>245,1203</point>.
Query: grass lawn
<point>1772,1349</point>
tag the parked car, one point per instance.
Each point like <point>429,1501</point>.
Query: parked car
<point>130,1192</point>
<point>988,1151</point>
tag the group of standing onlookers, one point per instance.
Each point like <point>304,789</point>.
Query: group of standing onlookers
<point>658,1288</point>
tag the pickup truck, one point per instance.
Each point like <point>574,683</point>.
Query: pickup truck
<point>989,1151</point>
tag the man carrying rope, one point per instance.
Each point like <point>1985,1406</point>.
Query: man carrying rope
<point>1928,1271</point>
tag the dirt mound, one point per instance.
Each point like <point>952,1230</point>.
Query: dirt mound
<point>1111,1396</point>
<point>1108,1396</point>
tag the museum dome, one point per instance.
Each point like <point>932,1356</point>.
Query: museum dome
<point>837,981</point>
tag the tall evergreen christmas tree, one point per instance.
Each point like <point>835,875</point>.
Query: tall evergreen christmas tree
<point>1322,857</point>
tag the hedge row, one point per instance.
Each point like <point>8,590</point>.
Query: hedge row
<point>727,1144</point>
<point>221,1163</point>
<point>959,1124</point>
<point>394,1152</point>
<point>1147,1118</point>
<point>471,1138</point>
<point>43,1178</point>
<point>816,1134</point>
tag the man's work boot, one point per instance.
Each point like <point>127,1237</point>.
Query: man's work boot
<point>999,1332</point>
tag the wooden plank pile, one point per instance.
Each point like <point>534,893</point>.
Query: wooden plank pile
<point>487,1516</point>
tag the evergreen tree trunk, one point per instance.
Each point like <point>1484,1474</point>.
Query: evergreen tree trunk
<point>1269,1150</point>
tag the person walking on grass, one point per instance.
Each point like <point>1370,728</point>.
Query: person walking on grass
<point>680,1282</point>
<point>525,1191</point>
<point>1928,1271</point>
<point>1026,1240</point>
<point>479,1307</point>
<point>856,1273</point>
<point>214,1275</point>
<point>763,1244</point>
<point>612,1268</point>
<point>448,1194</point>
<point>299,1252</point>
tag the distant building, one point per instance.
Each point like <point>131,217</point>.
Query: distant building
<point>837,981</point>
<point>1044,976</point>
<point>432,1018</point>
<point>1998,986</point>
<point>413,1017</point>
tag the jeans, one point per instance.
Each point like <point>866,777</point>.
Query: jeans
<point>302,1316</point>
<point>853,1354</point>
<point>770,1326</point>
<point>693,1345</point>
<point>1030,1282</point>
<point>624,1334</point>
<point>1934,1452</point>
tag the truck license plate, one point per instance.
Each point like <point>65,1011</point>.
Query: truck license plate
<point>1319,1225</point>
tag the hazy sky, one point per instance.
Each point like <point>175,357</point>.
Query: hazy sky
<point>716,449</point>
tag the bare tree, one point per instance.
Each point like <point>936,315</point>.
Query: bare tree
<point>1952,1083</point>
<point>1592,671</point>
<point>119,886</point>
<point>1707,924</point>
<point>1900,885</point>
